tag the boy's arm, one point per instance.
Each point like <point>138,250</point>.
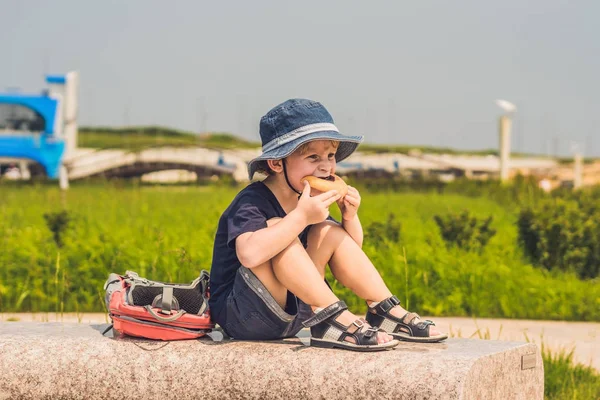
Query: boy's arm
<point>354,229</point>
<point>255,248</point>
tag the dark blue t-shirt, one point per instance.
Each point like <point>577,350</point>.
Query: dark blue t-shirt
<point>248,212</point>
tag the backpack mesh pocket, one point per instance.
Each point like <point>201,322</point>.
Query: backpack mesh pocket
<point>189,299</point>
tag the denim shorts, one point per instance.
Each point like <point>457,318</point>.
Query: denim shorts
<point>251,312</point>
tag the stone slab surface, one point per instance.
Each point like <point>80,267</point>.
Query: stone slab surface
<point>581,337</point>
<point>73,361</point>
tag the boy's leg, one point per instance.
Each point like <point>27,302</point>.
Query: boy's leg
<point>329,243</point>
<point>293,269</point>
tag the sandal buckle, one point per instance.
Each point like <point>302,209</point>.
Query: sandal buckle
<point>386,306</point>
<point>358,323</point>
<point>371,331</point>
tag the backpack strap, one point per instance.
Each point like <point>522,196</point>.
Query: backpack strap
<point>204,282</point>
<point>172,318</point>
<point>204,286</point>
<point>167,299</point>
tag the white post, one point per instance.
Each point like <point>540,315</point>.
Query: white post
<point>505,126</point>
<point>578,171</point>
<point>71,100</point>
<point>63,178</point>
<point>24,169</point>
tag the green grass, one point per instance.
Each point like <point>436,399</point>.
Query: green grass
<point>138,138</point>
<point>449,281</point>
<point>167,233</point>
<point>564,379</point>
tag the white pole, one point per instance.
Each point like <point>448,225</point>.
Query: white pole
<point>70,111</point>
<point>63,178</point>
<point>578,171</point>
<point>24,168</point>
<point>505,126</point>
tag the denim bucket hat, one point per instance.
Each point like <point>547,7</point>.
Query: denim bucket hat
<point>295,122</point>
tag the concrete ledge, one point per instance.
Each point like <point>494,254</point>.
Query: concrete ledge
<point>73,361</point>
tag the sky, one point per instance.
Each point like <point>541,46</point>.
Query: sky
<point>397,72</point>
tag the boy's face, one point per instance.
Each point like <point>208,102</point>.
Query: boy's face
<point>318,160</point>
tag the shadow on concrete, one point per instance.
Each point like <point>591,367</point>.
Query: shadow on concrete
<point>218,338</point>
<point>215,338</point>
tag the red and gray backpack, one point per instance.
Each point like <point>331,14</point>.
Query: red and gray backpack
<point>157,310</point>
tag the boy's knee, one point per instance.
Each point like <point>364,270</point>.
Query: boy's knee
<point>326,228</point>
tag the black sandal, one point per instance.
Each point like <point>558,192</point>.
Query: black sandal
<point>326,332</point>
<point>401,328</point>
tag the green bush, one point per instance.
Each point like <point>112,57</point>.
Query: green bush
<point>379,232</point>
<point>465,230</point>
<point>563,234</point>
<point>58,223</point>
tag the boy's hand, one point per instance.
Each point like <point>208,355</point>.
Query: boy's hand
<point>316,209</point>
<point>349,204</point>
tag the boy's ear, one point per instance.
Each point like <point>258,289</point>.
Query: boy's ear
<point>275,165</point>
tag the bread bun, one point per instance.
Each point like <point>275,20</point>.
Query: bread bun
<point>332,182</point>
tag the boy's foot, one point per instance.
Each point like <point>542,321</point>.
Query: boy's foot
<point>401,324</point>
<point>399,312</point>
<point>346,318</point>
<point>335,327</point>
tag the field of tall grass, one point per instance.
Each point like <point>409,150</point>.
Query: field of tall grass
<point>564,379</point>
<point>166,233</point>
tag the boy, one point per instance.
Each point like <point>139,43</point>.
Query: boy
<point>275,239</point>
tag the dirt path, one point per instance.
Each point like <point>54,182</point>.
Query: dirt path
<point>584,337</point>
